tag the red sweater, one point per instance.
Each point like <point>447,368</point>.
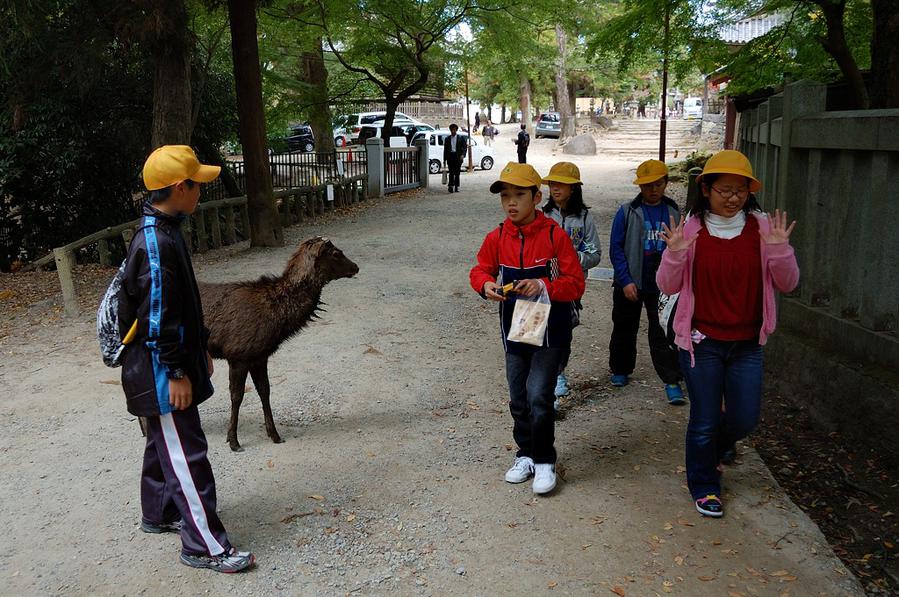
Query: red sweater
<point>727,284</point>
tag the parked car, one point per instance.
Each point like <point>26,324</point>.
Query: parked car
<point>397,134</point>
<point>693,108</point>
<point>549,125</point>
<point>353,123</point>
<point>481,155</point>
<point>300,138</point>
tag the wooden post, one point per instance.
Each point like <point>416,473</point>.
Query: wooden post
<point>202,235</point>
<point>245,221</point>
<point>103,250</point>
<point>65,261</point>
<point>127,235</point>
<point>216,228</point>
<point>230,230</point>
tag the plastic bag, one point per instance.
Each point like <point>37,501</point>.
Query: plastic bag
<point>667,309</point>
<point>530,318</point>
<point>445,176</point>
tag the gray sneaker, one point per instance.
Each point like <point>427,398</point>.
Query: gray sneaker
<point>156,529</point>
<point>228,562</point>
<point>521,470</point>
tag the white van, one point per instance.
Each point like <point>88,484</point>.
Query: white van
<point>693,108</point>
<point>481,155</point>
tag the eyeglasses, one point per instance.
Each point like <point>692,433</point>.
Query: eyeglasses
<point>728,193</point>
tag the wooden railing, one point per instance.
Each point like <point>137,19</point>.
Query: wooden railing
<point>214,224</point>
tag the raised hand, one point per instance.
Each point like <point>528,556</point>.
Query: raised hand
<point>674,236</point>
<point>779,232</point>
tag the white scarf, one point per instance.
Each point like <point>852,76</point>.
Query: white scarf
<point>726,228</point>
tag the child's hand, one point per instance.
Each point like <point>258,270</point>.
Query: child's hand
<point>180,393</point>
<point>490,291</point>
<point>528,287</point>
<point>780,231</point>
<point>631,293</point>
<point>674,236</point>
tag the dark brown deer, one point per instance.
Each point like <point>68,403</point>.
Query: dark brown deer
<point>248,321</point>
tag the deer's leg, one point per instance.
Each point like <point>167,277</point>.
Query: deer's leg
<point>237,383</point>
<point>259,371</point>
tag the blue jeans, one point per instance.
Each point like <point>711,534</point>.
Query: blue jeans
<point>731,371</point>
<point>532,379</point>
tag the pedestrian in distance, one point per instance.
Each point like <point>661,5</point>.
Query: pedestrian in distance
<point>488,132</point>
<point>565,205</point>
<point>477,121</point>
<point>166,367</point>
<point>455,148</point>
<point>636,249</point>
<point>727,261</point>
<point>523,141</point>
<point>531,251</point>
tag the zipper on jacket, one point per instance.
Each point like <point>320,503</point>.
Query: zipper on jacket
<point>521,252</point>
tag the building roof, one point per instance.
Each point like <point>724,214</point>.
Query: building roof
<point>751,27</point>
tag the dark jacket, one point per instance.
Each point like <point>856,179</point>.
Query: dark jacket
<point>160,291</point>
<point>461,148</point>
<point>533,251</point>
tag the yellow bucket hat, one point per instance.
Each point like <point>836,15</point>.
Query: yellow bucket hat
<point>731,161</point>
<point>564,172</point>
<point>521,175</point>
<point>650,171</point>
<point>170,164</point>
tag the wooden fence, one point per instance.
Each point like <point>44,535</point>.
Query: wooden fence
<point>213,225</point>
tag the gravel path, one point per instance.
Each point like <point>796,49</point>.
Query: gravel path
<point>393,408</point>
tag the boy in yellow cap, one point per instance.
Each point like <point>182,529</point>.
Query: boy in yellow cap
<point>531,251</point>
<point>635,249</point>
<point>166,368</point>
<point>565,205</point>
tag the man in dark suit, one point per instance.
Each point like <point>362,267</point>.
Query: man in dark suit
<point>455,148</point>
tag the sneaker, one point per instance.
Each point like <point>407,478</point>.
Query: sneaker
<point>544,478</point>
<point>156,529</point>
<point>228,562</point>
<point>710,505</point>
<point>562,388</point>
<point>729,455</point>
<point>521,471</point>
<point>675,394</point>
<point>619,381</point>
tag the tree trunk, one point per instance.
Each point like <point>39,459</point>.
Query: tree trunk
<point>834,43</point>
<point>265,224</point>
<point>209,154</point>
<point>502,114</point>
<point>885,55</point>
<point>315,74</point>
<point>391,104</point>
<point>172,109</point>
<point>563,100</point>
<point>524,88</point>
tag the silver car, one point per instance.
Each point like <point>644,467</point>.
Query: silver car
<point>549,125</point>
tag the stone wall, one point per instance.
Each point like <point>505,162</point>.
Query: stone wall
<point>711,137</point>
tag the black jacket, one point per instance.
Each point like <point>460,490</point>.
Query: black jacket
<point>461,148</point>
<point>160,291</point>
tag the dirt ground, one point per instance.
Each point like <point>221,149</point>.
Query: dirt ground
<point>393,408</point>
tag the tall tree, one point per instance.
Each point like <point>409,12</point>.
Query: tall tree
<point>835,43</point>
<point>885,54</point>
<point>563,98</point>
<point>171,44</point>
<point>265,225</point>
<point>315,75</point>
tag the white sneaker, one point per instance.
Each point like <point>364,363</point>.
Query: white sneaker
<point>544,478</point>
<point>521,471</point>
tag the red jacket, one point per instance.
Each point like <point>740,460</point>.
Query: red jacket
<point>511,253</point>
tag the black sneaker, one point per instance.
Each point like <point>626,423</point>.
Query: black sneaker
<point>228,562</point>
<point>710,505</point>
<point>156,529</point>
<point>729,456</point>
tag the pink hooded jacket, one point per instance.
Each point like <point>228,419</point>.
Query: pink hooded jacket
<point>675,274</point>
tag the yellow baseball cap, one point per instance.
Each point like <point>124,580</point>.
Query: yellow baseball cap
<point>170,164</point>
<point>650,171</point>
<point>521,175</point>
<point>730,161</point>
<point>564,172</point>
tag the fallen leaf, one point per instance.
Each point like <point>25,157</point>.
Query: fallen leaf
<point>508,447</point>
<point>618,591</point>
<point>111,382</point>
<point>780,573</point>
<point>679,560</point>
<point>586,545</point>
<point>787,578</point>
<point>269,463</point>
<point>552,584</point>
<point>316,497</point>
<point>707,578</point>
<point>372,350</point>
<point>598,520</point>
<point>6,294</point>
<point>686,523</point>
<point>351,518</point>
<point>667,586</point>
<point>291,517</point>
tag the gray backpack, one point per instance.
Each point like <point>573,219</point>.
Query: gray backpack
<point>108,331</point>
